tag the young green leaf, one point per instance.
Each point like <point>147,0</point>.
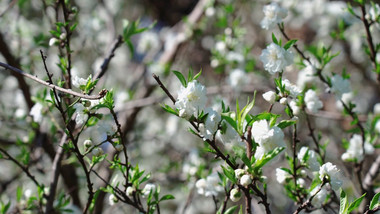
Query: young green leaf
<point>289,44</point>
<point>181,78</point>
<point>375,202</point>
<point>355,204</point>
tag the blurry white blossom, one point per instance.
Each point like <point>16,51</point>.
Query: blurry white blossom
<point>332,174</point>
<point>130,190</point>
<point>209,186</point>
<point>229,135</point>
<point>235,195</point>
<point>377,126</point>
<point>112,199</point>
<point>267,137</point>
<point>78,81</point>
<point>276,58</point>
<point>210,11</point>
<point>306,76</point>
<point>233,56</point>
<point>293,89</point>
<point>374,13</point>
<point>355,149</point>
<point>239,173</point>
<point>53,41</point>
<point>270,97</point>
<point>97,151</point>
<point>36,112</point>
<point>81,114</point>
<point>245,180</point>
<point>320,197</point>
<point>346,98</point>
<point>192,163</point>
<point>191,99</point>
<point>274,15</point>
<point>283,101</point>
<point>295,108</point>
<point>148,189</point>
<point>87,143</point>
<point>282,175</point>
<point>376,109</point>
<point>238,79</point>
<point>221,47</point>
<point>340,86</point>
<point>211,124</point>
<point>312,161</point>
<point>312,101</point>
<point>148,41</point>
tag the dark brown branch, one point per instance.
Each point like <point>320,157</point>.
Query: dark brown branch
<point>308,202</point>
<point>64,90</point>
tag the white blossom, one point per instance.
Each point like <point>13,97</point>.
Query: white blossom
<point>306,75</point>
<point>233,56</point>
<point>209,186</point>
<point>282,175</point>
<point>81,115</point>
<point>355,149</point>
<point>36,112</point>
<point>97,151</point>
<point>267,137</point>
<point>376,109</point>
<point>312,101</point>
<point>332,174</point>
<point>130,190</point>
<point>211,124</point>
<point>229,135</point>
<point>239,173</point>
<point>377,126</point>
<point>53,41</point>
<point>87,143</point>
<point>340,86</point>
<point>246,180</point>
<point>221,47</point>
<point>270,97</point>
<point>119,147</point>
<point>295,108</point>
<point>192,163</point>
<point>276,58</point>
<point>148,41</point>
<point>312,160</point>
<point>191,99</point>
<point>320,197</point>
<point>235,195</point>
<point>283,101</point>
<point>78,81</point>
<point>148,189</point>
<point>293,89</point>
<point>112,199</point>
<point>238,78</point>
<point>210,11</point>
<point>274,14</point>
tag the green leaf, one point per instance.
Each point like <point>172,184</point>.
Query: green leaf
<point>229,173</point>
<point>181,78</point>
<point>267,157</point>
<point>289,44</point>
<point>231,210</point>
<point>197,75</point>
<point>274,39</point>
<point>355,204</point>
<point>375,201</point>
<point>169,109</point>
<point>285,123</point>
<point>343,203</point>
<point>167,197</point>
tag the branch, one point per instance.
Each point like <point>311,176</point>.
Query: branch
<point>54,179</point>
<point>54,87</point>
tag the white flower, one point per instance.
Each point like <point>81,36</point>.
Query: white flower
<point>156,68</point>
<point>273,15</point>
<point>295,108</point>
<point>53,41</point>
<point>376,109</point>
<point>276,58</point>
<point>192,163</point>
<point>301,182</point>
<point>346,98</point>
<point>283,101</point>
<point>238,78</point>
<point>355,149</point>
<point>233,56</point>
<point>211,124</point>
<point>221,47</point>
<point>294,91</point>
<point>305,76</point>
<point>87,143</point>
<point>377,126</point>
<point>235,195</point>
<point>312,160</point>
<point>28,192</point>
<point>130,190</point>
<point>229,135</point>
<point>319,198</point>
<point>191,99</point>
<point>210,11</point>
<point>78,81</point>
<point>270,97</point>
<point>374,12</point>
<point>239,173</point>
<point>312,101</point>
<point>267,138</point>
<point>282,175</point>
<point>62,36</point>
<point>36,113</point>
<point>209,186</point>
<point>81,115</point>
<point>97,151</point>
<point>112,199</point>
<point>332,174</point>
<point>148,189</point>
<point>245,180</point>
<point>148,41</point>
<point>340,86</point>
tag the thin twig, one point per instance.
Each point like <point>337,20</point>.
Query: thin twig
<point>64,90</point>
<point>308,202</point>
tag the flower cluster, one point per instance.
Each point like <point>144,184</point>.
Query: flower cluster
<point>191,99</point>
<point>276,58</point>
<point>355,149</point>
<point>268,138</point>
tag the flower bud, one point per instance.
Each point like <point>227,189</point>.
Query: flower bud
<point>97,151</point>
<point>283,101</point>
<point>239,173</point>
<point>130,190</point>
<point>119,147</point>
<point>235,195</point>
<point>270,97</point>
<point>62,36</point>
<point>87,143</point>
<point>245,180</point>
<point>53,41</point>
